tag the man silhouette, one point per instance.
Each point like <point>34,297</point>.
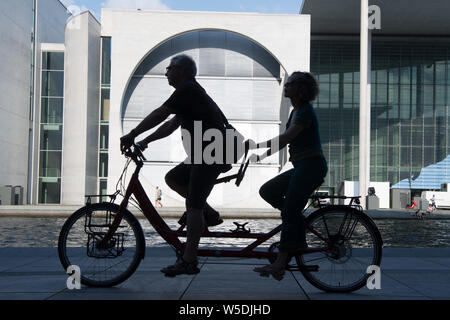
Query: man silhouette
<point>194,181</point>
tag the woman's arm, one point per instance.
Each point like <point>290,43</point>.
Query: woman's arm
<point>278,143</point>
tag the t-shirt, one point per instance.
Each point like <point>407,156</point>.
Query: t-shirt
<point>191,103</point>
<point>307,143</point>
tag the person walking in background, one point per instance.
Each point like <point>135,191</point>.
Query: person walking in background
<point>433,202</point>
<point>158,197</point>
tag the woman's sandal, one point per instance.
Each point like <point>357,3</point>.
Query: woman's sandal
<point>267,270</point>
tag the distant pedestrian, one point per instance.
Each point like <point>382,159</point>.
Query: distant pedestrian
<point>433,201</point>
<point>158,197</point>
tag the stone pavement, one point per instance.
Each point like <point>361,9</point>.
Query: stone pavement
<point>36,274</point>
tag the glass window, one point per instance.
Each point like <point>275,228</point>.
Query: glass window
<point>103,189</point>
<point>382,76</point>
<point>53,61</point>
<point>405,95</point>
<point>50,190</point>
<point>53,83</point>
<point>405,75</point>
<point>428,93</point>
<point>105,103</point>
<point>393,76</point>
<point>428,73</point>
<point>334,92</point>
<point>393,112</point>
<point>440,72</point>
<point>324,92</point>
<point>103,165</point>
<point>106,60</point>
<point>393,93</point>
<point>51,137</point>
<point>440,95</point>
<point>381,93</point>
<point>52,110</point>
<point>416,159</point>
<point>405,112</point>
<point>50,164</point>
<point>104,136</point>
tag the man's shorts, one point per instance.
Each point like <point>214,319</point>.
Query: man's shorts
<point>200,179</point>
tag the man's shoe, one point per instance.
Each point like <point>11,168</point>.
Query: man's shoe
<point>181,267</point>
<point>267,270</point>
<point>212,218</point>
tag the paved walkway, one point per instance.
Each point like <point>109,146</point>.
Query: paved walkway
<point>35,273</point>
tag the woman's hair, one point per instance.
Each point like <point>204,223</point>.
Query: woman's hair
<point>309,88</point>
<point>187,63</point>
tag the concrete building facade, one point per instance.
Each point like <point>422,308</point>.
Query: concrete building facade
<point>67,101</point>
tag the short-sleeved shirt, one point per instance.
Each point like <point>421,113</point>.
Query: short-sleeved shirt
<point>307,143</point>
<point>191,103</point>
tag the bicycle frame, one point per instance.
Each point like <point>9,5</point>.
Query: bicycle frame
<point>172,236</point>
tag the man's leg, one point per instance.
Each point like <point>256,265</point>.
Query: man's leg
<point>178,180</point>
<point>195,227</point>
<point>201,183</point>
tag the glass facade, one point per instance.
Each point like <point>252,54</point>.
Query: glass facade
<point>104,116</point>
<point>410,116</point>
<point>51,127</point>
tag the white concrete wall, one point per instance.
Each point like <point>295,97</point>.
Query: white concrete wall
<point>15,56</point>
<point>81,109</point>
<point>135,33</point>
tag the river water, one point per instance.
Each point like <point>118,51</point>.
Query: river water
<point>396,233</point>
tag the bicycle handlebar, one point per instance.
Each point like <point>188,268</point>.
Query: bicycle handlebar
<point>135,153</point>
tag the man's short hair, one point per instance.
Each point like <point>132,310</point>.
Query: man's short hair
<point>187,63</point>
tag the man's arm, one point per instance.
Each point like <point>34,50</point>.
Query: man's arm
<point>151,121</point>
<point>163,131</point>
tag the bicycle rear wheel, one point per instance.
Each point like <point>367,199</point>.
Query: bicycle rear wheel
<point>106,267</point>
<point>357,244</point>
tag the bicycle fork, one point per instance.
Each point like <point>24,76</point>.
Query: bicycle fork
<point>103,244</point>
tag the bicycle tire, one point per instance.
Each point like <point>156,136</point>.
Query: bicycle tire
<point>101,267</point>
<point>353,254</point>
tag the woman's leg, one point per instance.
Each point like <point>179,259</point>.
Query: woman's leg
<point>307,177</point>
<point>274,190</point>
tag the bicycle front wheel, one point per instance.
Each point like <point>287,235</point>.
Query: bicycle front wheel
<point>356,245</point>
<point>101,267</point>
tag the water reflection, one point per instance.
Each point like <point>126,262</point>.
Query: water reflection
<point>396,233</point>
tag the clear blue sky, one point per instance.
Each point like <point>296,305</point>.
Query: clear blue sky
<point>261,6</point>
